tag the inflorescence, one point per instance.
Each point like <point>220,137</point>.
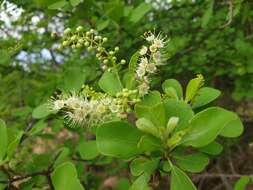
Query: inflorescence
<point>89,107</point>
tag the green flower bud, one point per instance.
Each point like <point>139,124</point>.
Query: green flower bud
<point>116,49</point>
<point>67,31</point>
<point>86,44</point>
<point>90,48</point>
<point>105,39</point>
<point>123,61</point>
<point>111,52</point>
<point>79,29</point>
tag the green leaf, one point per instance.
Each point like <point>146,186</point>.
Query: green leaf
<point>118,139</point>
<point>65,177</point>
<point>37,127</point>
<point>180,181</point>
<point>205,95</point>
<point>133,62</point>
<point>3,140</point>
<point>174,84</point>
<point>73,79</point>
<point>123,184</point>
<point>75,2</point>
<point>152,108</point>
<point>58,4</point>
<point>143,165</point>
<point>139,12</point>
<point>129,80</point>
<point>63,156</point>
<point>233,129</point>
<point>88,150</point>
<point>181,110</point>
<point>110,83</point>
<point>41,111</point>
<point>193,87</point>
<point>192,163</point>
<point>213,148</point>
<point>149,143</point>
<point>141,183</point>
<point>14,144</point>
<point>207,125</point>
<point>147,126</point>
<point>242,183</point>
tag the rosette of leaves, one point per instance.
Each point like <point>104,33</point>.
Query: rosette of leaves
<point>174,133</point>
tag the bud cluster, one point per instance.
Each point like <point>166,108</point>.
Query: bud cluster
<point>78,38</point>
<point>150,58</point>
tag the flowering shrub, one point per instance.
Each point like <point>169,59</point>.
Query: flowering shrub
<point>166,132</point>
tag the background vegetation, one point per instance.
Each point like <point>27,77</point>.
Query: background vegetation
<point>211,37</point>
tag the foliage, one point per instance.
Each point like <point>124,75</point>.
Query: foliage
<point>104,100</point>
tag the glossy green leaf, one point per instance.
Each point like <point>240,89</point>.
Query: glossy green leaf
<point>14,144</point>
<point>192,163</point>
<point>88,150</point>
<point>233,129</point>
<point>174,84</point>
<point>181,110</point>
<point>118,139</point>
<point>149,143</point>
<point>64,177</point>
<point>3,140</point>
<point>143,165</point>
<point>205,95</point>
<point>147,126</point>
<point>193,87</point>
<point>110,83</point>
<point>213,148</point>
<point>141,183</point>
<point>133,62</point>
<point>207,125</point>
<point>180,181</point>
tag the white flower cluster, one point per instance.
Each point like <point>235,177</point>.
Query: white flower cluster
<point>90,111</point>
<point>150,58</point>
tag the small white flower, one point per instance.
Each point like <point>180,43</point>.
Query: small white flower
<point>157,57</point>
<point>158,43</point>
<point>151,68</point>
<point>153,48</point>
<point>143,88</point>
<point>150,38</point>
<point>140,72</point>
<point>73,103</point>
<point>101,109</point>
<point>58,104</point>
<point>144,62</point>
<point>114,108</point>
<point>143,50</point>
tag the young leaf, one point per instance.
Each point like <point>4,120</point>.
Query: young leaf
<point>181,110</point>
<point>141,183</point>
<point>118,139</point>
<point>64,177</point>
<point>139,12</point>
<point>133,62</point>
<point>213,148</point>
<point>143,165</point>
<point>192,163</point>
<point>174,84</point>
<point>3,140</point>
<point>180,181</point>
<point>37,127</point>
<point>88,150</point>
<point>207,125</point>
<point>205,95</point>
<point>147,126</point>
<point>110,83</point>
<point>192,87</point>
<point>58,4</point>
